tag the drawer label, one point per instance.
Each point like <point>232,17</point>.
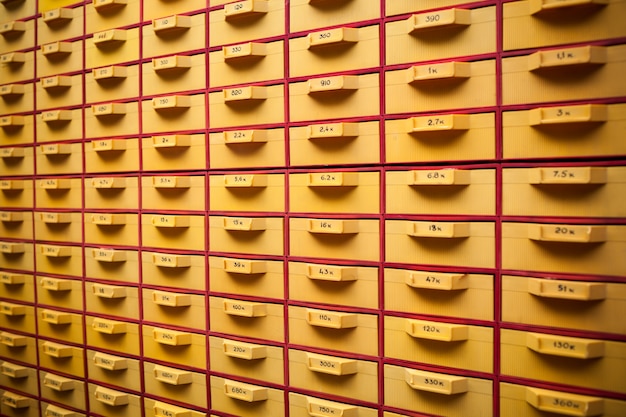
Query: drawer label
<point>13,371</point>
<point>244,309</point>
<point>244,350</point>
<point>108,326</point>
<point>565,346</point>
<point>109,362</point>
<point>8,278</point>
<point>12,340</point>
<point>171,337</point>
<point>434,382</point>
<point>172,376</point>
<point>166,410</point>
<point>245,392</point>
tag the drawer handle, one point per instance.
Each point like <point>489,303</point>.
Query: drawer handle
<point>52,116</point>
<point>12,28</point>
<point>11,185</point>
<point>171,261</point>
<point>109,37</point>
<point>55,317</point>
<point>171,141</point>
<point>244,309</point>
<point>15,401</point>
<point>110,73</point>
<point>105,5</point>
<point>108,219</point>
<point>436,280</point>
<point>442,19</point>
<point>55,284</point>
<point>171,182</point>
<point>58,383</point>
<point>13,58</point>
<point>56,82</point>
<point>55,218</point>
<point>567,176</point>
<point>110,362</point>
<point>56,350</point>
<point>12,310</point>
<point>55,184</point>
<point>440,177</point>
<point>443,230</point>
<point>564,403</point>
<point>170,299</point>
<point>171,337</point>
<point>538,6</point>
<point>171,63</point>
<point>13,340</point>
<point>109,109</point>
<point>108,145</point>
<point>245,266</point>
<point>166,410</point>
<point>333,179</point>
<point>7,153</point>
<point>567,290</point>
<point>331,273</point>
<point>172,376</point>
<point>56,251</point>
<point>108,255</point>
<point>244,224</point>
<point>567,233</point>
<point>242,350</point>
<point>244,392</point>
<point>333,227</point>
<point>569,347</point>
<point>56,48</point>
<point>239,94</point>
<point>161,220</point>
<point>245,181</point>
<point>175,102</point>
<point>245,8</point>
<point>54,411</point>
<point>435,382</point>
<point>10,90</point>
<point>331,365</point>
<point>108,291</point>
<point>333,130</point>
<point>582,55</point>
<point>171,24</point>
<point>235,53</point>
<point>245,136</point>
<point>58,16</point>
<point>13,371</point>
<point>111,397</point>
<point>108,326</point>
<point>333,37</point>
<point>10,247</point>
<point>108,182</point>
<point>331,319</point>
<point>333,84</point>
<point>9,278</point>
<point>433,330</point>
<point>443,71</point>
<point>585,113</point>
<point>322,408</point>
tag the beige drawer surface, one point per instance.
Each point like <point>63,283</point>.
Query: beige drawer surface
<point>114,335</point>
<point>16,129</point>
<point>247,148</point>
<point>112,118</point>
<point>59,259</point>
<point>303,405</point>
<point>57,23</point>
<point>119,265</point>
<point>111,155</point>
<point>112,46</point>
<point>246,400</point>
<point>246,62</point>
<point>58,125</point>
<point>60,325</point>
<point>59,91</point>
<point>18,286</point>
<point>251,277</point>
<point>174,308</point>
<point>247,105</point>
<point>107,401</point>
<point>112,193</point>
<point>18,347</point>
<point>253,235</point>
<point>178,347</point>
<point>17,255</point>
<point>16,224</point>
<point>59,57</point>
<point>17,317</point>
<point>171,33</point>
<point>62,358</point>
<point>243,191</point>
<point>17,161</point>
<point>68,391</point>
<point>58,192</point>
<point>170,382</point>
<point>306,15</point>
<point>156,408</point>
<point>408,6</point>
<point>255,319</point>
<point>173,73</point>
<point>174,112</point>
<point>18,377</point>
<point>174,270</point>
<point>105,15</point>
<point>174,152</point>
<point>58,226</point>
<point>120,371</point>
<point>247,20</point>
<point>112,299</point>
<point>112,82</point>
<point>174,231</point>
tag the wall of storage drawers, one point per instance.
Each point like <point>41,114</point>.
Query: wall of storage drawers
<point>265,208</point>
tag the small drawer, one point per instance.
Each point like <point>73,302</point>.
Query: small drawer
<point>18,317</point>
<point>67,391</point>
<point>248,105</point>
<point>174,309</point>
<point>249,360</point>
<point>525,401</point>
<point>174,270</point>
<point>60,23</point>
<point>59,57</point>
<point>59,91</point>
<point>114,335</point>
<point>341,143</point>
<point>158,408</point>
<point>59,325</point>
<point>51,410</point>
<point>183,192</point>
<point>245,191</point>
<point>254,148</point>
<point>305,406</point>
<point>59,125</point>
<point>59,158</point>
<point>246,62</point>
<point>409,6</point>
<point>17,255</point>
<point>447,191</point>
<point>16,193</point>
<point>13,405</point>
<point>120,193</point>
<point>63,358</point>
<point>107,401</point>
<point>16,130</point>
<point>552,23</point>
<point>354,239</point>
<point>578,305</point>
<point>253,235</point>
<point>441,344</point>
<point>563,191</point>
<point>174,152</point>
<point>353,286</point>
<point>17,66</point>
<point>112,228</point>
<point>18,377</point>
<point>59,292</point>
<point>166,382</point>
<point>16,161</point>
<point>112,264</point>
<point>16,225</point>
<point>163,8</point>
<point>246,400</point>
<point>334,97</point>
<point>110,47</point>
<point>57,259</point>
<point>174,33</point>
<point>59,192</point>
<point>175,346</point>
<point>576,249</point>
<point>17,347</point>
<point>467,244</point>
<point>335,192</point>
<point>17,98</point>
<point>334,375</point>
<point>572,73</point>
<point>443,294</point>
<point>591,363</point>
<point>307,14</point>
<point>247,318</point>
<point>112,119</point>
<point>334,50</point>
<point>564,131</point>
<point>18,286</point>
<point>111,155</point>
<point>440,86</point>
<point>336,330</point>
<point>174,73</point>
<point>19,9</point>
<point>107,14</point>
<point>16,35</point>
<point>174,112</point>
<point>436,393</point>
<point>184,232</point>
<point>112,300</point>
<point>252,277</point>
<point>441,34</point>
<point>112,82</point>
<point>246,20</point>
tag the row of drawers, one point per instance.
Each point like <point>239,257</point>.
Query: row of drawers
<point>459,31</point>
